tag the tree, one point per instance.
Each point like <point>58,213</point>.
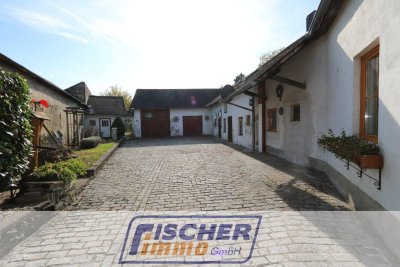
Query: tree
<point>269,55</point>
<point>115,90</point>
<point>239,78</point>
<point>15,127</point>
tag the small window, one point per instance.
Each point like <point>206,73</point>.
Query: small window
<point>248,120</point>
<point>224,125</point>
<point>295,112</point>
<point>92,122</point>
<point>240,119</point>
<point>104,123</point>
<point>369,95</point>
<point>272,120</point>
<point>148,115</point>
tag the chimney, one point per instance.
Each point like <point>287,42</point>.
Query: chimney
<point>309,20</point>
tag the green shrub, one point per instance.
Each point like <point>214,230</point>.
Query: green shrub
<point>90,142</point>
<point>75,165</point>
<point>15,127</point>
<point>119,124</point>
<point>65,171</point>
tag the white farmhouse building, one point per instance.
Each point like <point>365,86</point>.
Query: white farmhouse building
<point>341,75</point>
<point>172,112</point>
<point>101,111</point>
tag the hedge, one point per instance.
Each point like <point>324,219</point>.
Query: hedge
<point>90,142</point>
<point>15,127</point>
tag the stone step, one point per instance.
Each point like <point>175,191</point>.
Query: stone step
<point>46,205</point>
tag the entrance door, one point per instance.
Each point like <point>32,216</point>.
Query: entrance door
<point>105,128</point>
<point>219,127</point>
<point>155,122</point>
<point>230,129</point>
<point>192,125</point>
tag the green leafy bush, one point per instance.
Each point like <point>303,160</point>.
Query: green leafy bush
<point>15,127</point>
<point>119,124</point>
<point>347,147</point>
<point>66,171</point>
<point>90,142</point>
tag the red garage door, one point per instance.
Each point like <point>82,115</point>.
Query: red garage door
<point>155,122</point>
<point>192,125</point>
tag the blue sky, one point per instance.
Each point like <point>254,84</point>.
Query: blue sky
<point>147,44</point>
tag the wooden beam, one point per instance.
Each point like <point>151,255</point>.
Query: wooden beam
<point>254,95</point>
<point>288,81</point>
<point>239,106</point>
<point>52,136</point>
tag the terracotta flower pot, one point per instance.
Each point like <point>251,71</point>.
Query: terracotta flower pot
<point>369,161</point>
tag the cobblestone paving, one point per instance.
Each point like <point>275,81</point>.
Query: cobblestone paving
<point>203,174</point>
<point>193,176</point>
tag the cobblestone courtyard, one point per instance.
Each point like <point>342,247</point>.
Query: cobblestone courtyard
<point>188,176</point>
<point>203,174</point>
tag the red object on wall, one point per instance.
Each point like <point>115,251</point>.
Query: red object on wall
<point>42,102</point>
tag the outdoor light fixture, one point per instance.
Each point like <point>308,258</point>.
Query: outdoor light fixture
<point>279,91</point>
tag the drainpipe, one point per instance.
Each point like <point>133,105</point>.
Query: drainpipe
<point>253,123</point>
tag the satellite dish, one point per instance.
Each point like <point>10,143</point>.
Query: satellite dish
<point>226,91</point>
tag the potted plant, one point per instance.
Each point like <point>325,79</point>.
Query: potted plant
<point>352,148</point>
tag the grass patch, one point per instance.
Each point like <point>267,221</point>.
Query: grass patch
<point>90,156</point>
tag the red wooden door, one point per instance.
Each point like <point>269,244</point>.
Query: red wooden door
<point>155,122</point>
<point>192,125</point>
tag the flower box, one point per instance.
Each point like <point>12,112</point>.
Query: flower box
<point>369,161</point>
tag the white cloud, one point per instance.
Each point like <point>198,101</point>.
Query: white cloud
<point>165,44</point>
<point>37,20</point>
<point>73,37</point>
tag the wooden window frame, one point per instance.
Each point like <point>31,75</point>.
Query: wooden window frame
<point>270,126</point>
<point>364,59</point>
<point>292,107</point>
<point>240,122</point>
<point>92,124</point>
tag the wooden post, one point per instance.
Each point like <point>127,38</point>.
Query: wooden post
<point>261,92</point>
<point>37,127</point>
<point>68,142</point>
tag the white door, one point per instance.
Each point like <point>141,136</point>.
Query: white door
<point>105,128</point>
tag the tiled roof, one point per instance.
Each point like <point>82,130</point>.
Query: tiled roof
<point>173,98</point>
<point>106,105</point>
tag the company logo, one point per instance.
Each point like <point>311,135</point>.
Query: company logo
<point>195,239</point>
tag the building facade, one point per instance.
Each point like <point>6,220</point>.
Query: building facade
<point>58,101</point>
<point>172,112</point>
<point>341,75</point>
